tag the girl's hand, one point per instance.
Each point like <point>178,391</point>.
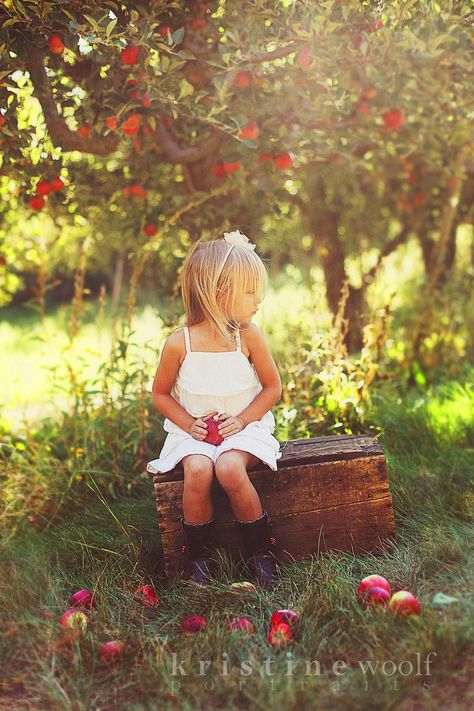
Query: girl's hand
<point>230,425</point>
<point>198,429</point>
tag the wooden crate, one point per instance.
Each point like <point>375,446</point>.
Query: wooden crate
<point>329,493</point>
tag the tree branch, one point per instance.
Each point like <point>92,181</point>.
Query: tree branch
<point>173,151</point>
<point>390,247</point>
<point>58,130</point>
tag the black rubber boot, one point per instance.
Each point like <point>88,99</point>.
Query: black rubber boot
<point>199,539</point>
<point>257,541</point>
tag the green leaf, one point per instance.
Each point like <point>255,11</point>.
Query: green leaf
<point>110,27</point>
<point>178,35</point>
<point>186,89</point>
<point>442,599</point>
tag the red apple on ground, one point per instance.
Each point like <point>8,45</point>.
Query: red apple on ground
<point>241,624</point>
<point>150,229</point>
<point>83,598</point>
<point>36,202</point>
<point>404,603</point>
<point>55,44</point>
<point>193,624</point>
<point>289,616</point>
<point>280,635</point>
<point>129,54</point>
<point>376,596</point>
<point>111,651</point>
<point>75,619</point>
<point>213,436</point>
<point>372,581</point>
<point>146,596</point>
<point>43,187</point>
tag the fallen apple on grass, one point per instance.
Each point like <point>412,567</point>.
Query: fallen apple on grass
<point>404,603</point>
<point>241,624</point>
<point>83,598</point>
<point>280,635</point>
<point>193,624</point>
<point>290,617</point>
<point>372,581</point>
<point>146,596</point>
<point>111,651</point>
<point>376,596</point>
<point>75,619</point>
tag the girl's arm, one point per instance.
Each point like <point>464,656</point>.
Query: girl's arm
<point>162,384</point>
<point>267,373</point>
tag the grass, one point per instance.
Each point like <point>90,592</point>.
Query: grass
<point>112,547</point>
<point>110,543</point>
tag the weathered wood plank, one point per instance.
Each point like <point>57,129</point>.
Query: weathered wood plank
<point>301,489</point>
<point>358,527</point>
<point>306,451</point>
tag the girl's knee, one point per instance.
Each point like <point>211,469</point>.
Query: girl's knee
<point>198,472</point>
<point>231,479</point>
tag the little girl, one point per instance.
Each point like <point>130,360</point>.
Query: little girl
<point>219,364</point>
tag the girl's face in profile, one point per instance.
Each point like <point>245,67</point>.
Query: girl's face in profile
<point>246,305</point>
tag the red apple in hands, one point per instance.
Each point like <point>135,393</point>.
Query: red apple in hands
<point>213,436</point>
<point>404,603</point>
<point>83,598</point>
<point>372,581</point>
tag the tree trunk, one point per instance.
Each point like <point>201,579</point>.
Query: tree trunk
<point>117,281</point>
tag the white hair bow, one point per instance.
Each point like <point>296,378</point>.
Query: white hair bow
<point>236,237</point>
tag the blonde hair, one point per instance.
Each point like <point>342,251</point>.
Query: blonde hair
<point>213,275</point>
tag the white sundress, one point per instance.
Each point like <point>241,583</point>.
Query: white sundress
<point>217,381</point>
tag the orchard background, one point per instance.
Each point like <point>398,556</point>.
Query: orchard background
<point>339,136</point>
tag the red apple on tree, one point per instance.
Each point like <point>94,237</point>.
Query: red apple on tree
<point>111,122</point>
<point>57,184</point>
<point>250,131</point>
<point>150,229</point>
<point>283,160</point>
<point>129,54</point>
<point>131,125</point>
<point>36,202</point>
<point>395,118</point>
<point>84,130</point>
<point>232,167</point>
<point>163,30</point>
<point>43,187</point>
<point>55,44</point>
<point>242,79</point>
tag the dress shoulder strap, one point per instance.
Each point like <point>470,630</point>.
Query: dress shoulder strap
<point>237,336</point>
<point>187,340</point>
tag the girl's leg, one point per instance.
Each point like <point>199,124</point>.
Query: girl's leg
<point>231,472</point>
<point>198,475</point>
